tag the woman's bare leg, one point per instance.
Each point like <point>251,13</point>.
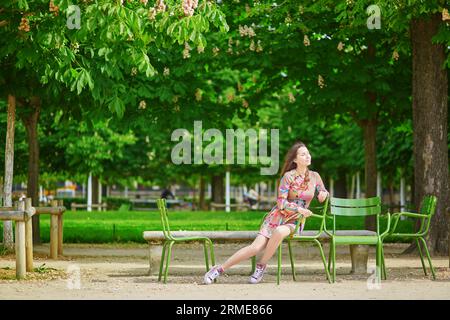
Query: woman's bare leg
<point>247,252</point>
<point>278,235</point>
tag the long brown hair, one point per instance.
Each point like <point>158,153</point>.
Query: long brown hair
<point>289,163</point>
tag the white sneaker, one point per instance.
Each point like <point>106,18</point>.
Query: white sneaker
<point>258,274</point>
<point>211,275</point>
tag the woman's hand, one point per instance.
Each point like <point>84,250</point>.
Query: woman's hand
<point>306,212</point>
<point>322,196</point>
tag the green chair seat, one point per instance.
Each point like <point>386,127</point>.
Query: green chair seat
<point>356,240</point>
<point>322,235</point>
<point>355,233</point>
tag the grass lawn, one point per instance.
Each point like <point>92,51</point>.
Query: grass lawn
<point>117,226</point>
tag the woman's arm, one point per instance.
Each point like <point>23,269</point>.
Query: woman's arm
<point>322,193</point>
<point>286,207</point>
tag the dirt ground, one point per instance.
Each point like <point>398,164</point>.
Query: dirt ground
<point>122,272</point>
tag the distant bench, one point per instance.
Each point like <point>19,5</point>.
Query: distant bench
<point>359,257</point>
<point>74,206</point>
<point>152,202</point>
<point>215,206</point>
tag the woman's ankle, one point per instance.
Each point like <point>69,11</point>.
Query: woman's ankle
<point>261,265</point>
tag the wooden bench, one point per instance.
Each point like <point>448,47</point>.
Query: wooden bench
<point>56,212</point>
<point>359,253</point>
<point>21,213</point>
<point>100,207</point>
<point>215,206</point>
<point>152,203</point>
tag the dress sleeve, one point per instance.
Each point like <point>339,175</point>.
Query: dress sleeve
<point>285,206</point>
<point>319,186</point>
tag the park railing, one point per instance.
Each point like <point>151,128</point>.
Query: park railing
<point>21,213</point>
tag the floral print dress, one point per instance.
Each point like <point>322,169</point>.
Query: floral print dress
<point>291,196</point>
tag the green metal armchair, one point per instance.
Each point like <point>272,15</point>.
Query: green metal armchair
<point>426,212</point>
<point>307,236</point>
<point>351,208</point>
<point>170,240</point>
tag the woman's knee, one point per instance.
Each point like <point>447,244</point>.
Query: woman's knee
<point>281,232</point>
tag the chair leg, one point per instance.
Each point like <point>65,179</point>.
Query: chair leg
<point>213,258</point>
<point>211,250</point>
<point>253,265</point>
<point>291,257</point>
<point>378,262</point>
<point>161,263</point>
<point>421,257</point>
<point>327,273</point>
<point>383,265</point>
<point>205,251</point>
<point>429,257</point>
<point>333,257</point>
<point>330,253</point>
<point>169,255</point>
<point>279,264</point>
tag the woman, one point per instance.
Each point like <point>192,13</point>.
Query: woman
<point>296,190</point>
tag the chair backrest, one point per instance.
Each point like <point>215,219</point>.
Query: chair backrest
<point>318,207</point>
<point>355,208</point>
<point>161,203</point>
<point>428,207</point>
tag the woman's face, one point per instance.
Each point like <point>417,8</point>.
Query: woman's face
<point>303,157</point>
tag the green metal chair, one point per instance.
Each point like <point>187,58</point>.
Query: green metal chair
<point>426,212</point>
<point>170,240</point>
<point>351,208</point>
<point>307,236</point>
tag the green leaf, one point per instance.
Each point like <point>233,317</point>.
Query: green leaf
<point>116,105</point>
<point>23,4</point>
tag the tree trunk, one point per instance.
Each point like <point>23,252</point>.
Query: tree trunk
<point>430,116</point>
<point>8,240</point>
<point>340,185</point>
<point>2,198</point>
<point>95,190</point>
<point>370,155</point>
<point>218,191</point>
<point>30,121</point>
<point>201,201</point>
<point>391,193</point>
<point>413,188</point>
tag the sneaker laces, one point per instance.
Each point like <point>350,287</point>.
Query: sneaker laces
<point>259,272</point>
<point>213,273</point>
